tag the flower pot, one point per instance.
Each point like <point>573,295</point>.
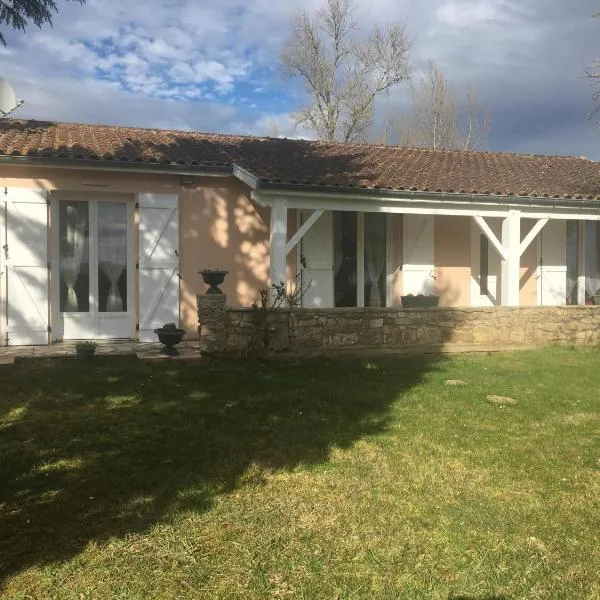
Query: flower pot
<point>169,336</point>
<point>213,278</point>
<point>420,301</point>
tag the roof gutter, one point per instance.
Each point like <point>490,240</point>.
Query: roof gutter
<point>122,166</point>
<point>262,188</point>
<point>338,193</point>
<point>252,181</point>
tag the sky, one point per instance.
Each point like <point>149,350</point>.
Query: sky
<point>213,65</point>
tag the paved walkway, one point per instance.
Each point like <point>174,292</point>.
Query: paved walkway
<point>146,351</point>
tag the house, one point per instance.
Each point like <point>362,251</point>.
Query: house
<point>104,228</point>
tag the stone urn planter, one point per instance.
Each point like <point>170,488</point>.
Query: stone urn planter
<point>213,278</point>
<point>85,351</point>
<point>420,301</point>
<point>169,335</point>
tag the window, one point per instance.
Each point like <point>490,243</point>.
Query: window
<point>375,259</point>
<point>592,262</point>
<point>583,262</point>
<point>74,256</point>
<point>345,259</point>
<point>573,267</point>
<point>484,265</point>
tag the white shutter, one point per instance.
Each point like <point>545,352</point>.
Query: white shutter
<point>552,269</point>
<point>417,268</point>
<point>317,250</point>
<point>159,263</point>
<point>26,267</point>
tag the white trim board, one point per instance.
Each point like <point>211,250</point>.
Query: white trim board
<point>445,205</point>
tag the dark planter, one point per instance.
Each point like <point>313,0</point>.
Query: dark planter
<point>420,301</point>
<point>213,278</point>
<point>169,336</point>
<point>85,352</point>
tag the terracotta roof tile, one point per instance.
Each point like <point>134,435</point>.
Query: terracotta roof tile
<point>302,162</point>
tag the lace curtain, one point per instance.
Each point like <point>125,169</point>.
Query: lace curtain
<point>592,259</point>
<point>375,251</point>
<point>75,221</point>
<point>112,250</point>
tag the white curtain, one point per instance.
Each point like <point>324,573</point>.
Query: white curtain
<point>112,249</point>
<point>374,258</point>
<point>72,250</point>
<point>592,259</point>
<point>572,256</point>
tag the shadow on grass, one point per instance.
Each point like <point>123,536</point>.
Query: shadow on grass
<point>87,453</point>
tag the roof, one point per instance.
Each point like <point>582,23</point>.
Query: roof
<point>308,163</point>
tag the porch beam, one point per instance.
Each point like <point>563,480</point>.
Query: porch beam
<point>440,204</point>
<point>277,263</point>
<point>491,236</point>
<point>303,230</point>
<point>532,235</point>
<point>511,264</point>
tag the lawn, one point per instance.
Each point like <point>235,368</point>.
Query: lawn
<point>350,478</point>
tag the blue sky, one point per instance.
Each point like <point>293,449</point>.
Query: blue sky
<point>213,65</point>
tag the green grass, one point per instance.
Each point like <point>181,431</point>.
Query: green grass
<point>318,479</point>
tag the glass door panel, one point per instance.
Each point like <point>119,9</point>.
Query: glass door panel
<point>345,258</point>
<point>112,257</point>
<point>375,259</point>
<point>592,262</point>
<point>572,260</point>
<point>74,257</point>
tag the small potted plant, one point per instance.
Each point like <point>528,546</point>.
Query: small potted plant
<point>213,278</point>
<point>85,350</point>
<point>169,335</point>
<point>420,301</point>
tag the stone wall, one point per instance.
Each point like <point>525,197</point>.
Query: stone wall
<point>397,329</point>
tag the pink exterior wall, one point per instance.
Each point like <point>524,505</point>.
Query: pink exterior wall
<point>221,228</point>
<point>452,259</point>
<point>529,261</point>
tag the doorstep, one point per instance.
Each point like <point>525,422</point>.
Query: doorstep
<point>144,351</point>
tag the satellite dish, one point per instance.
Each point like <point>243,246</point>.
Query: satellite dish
<point>8,100</point>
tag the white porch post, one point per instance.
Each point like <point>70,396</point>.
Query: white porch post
<point>278,267</point>
<point>511,241</point>
<point>581,266</point>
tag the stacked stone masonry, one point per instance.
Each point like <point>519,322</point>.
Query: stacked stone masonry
<point>329,330</point>
<point>212,322</point>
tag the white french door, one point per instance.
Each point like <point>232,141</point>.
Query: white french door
<point>92,269</point>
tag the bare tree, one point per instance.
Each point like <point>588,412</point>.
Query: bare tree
<point>341,74</point>
<point>440,118</point>
<point>273,129</point>
<point>594,73</point>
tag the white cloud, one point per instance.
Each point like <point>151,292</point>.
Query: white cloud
<point>188,64</point>
<point>464,13</point>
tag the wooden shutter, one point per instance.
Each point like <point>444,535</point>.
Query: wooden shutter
<point>317,249</point>
<point>552,270</point>
<point>159,263</point>
<point>25,257</point>
<point>418,244</point>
